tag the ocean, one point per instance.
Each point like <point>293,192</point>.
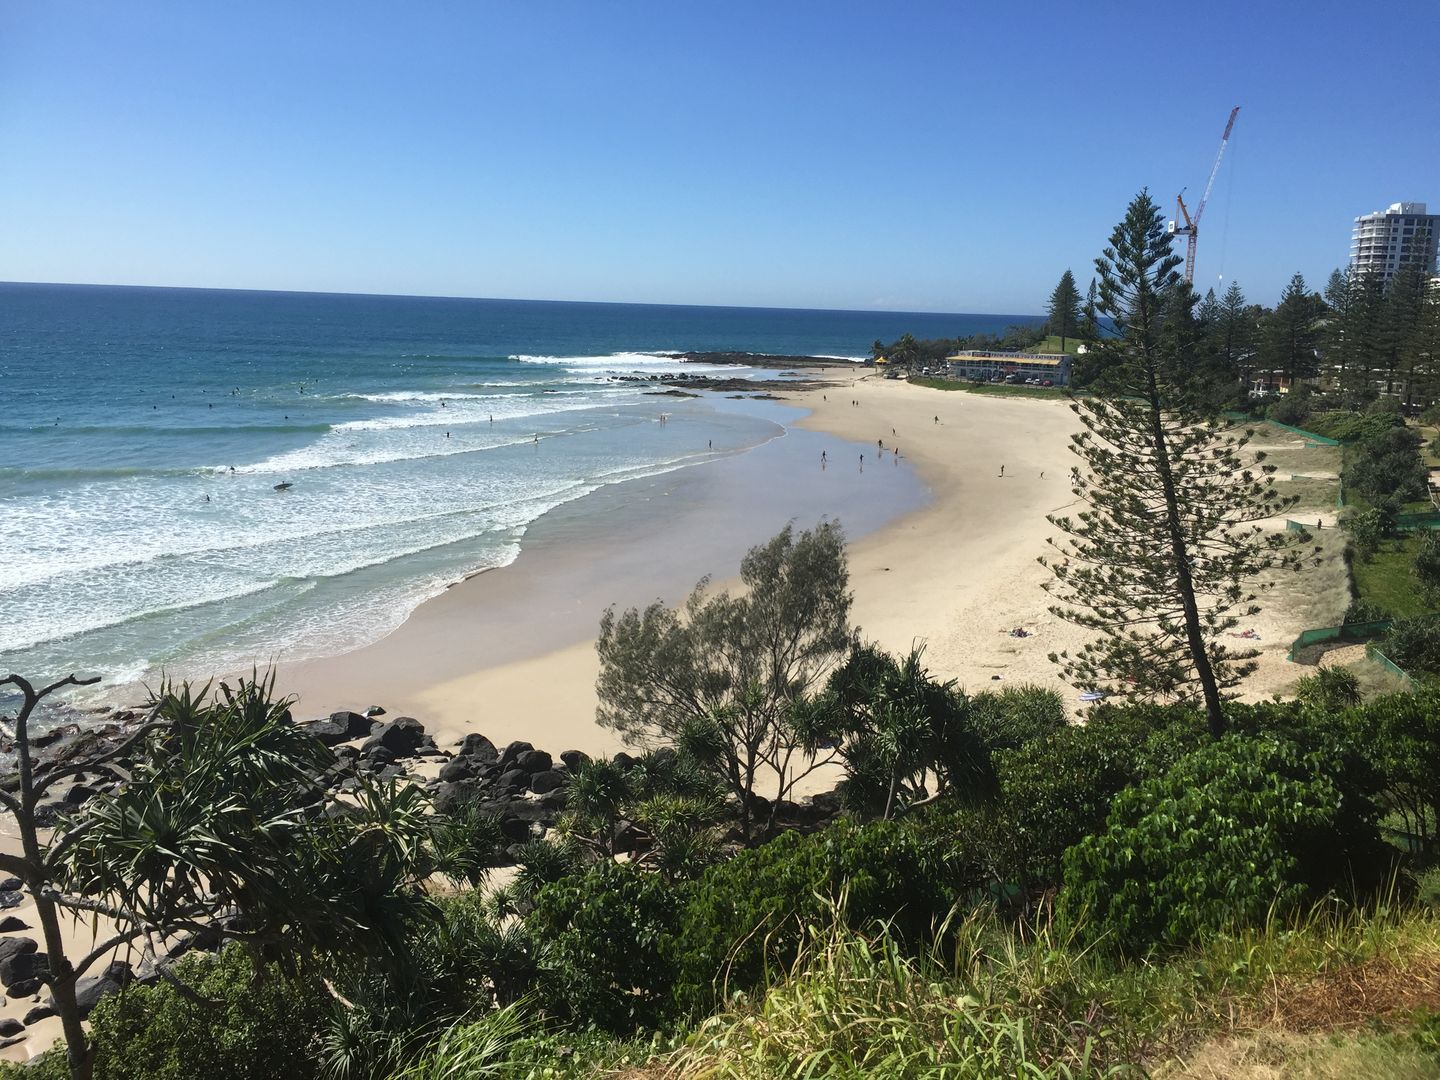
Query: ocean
<point>143,432</point>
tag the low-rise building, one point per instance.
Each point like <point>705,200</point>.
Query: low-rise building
<point>981,365</point>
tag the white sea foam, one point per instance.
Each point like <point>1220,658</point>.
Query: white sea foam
<point>623,363</point>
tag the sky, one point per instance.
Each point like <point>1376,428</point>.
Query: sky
<point>950,156</point>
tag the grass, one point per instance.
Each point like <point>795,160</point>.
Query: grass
<point>1333,993</point>
<point>1052,345</point>
<point>1388,579</point>
<point>996,389</point>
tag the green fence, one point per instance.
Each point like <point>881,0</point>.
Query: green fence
<point>1389,665</point>
<point>1355,632</point>
<point>1308,435</point>
<point>1429,519</point>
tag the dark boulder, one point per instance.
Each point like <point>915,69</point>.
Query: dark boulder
<point>479,747</point>
<point>623,761</point>
<point>534,761</point>
<point>90,992</point>
<point>401,736</point>
<point>549,780</point>
<point>327,731</point>
<point>573,759</point>
<point>515,828</point>
<point>23,967</point>
<point>349,754</point>
<point>78,794</point>
<point>10,884</point>
<point>379,756</point>
<point>16,946</point>
<point>11,923</point>
<point>455,771</point>
<point>38,1013</point>
<point>513,782</point>
<point>513,751</point>
<point>10,1026</point>
<point>453,796</point>
<point>629,837</point>
<point>375,710</point>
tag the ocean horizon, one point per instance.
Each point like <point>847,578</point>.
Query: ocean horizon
<point>144,430</point>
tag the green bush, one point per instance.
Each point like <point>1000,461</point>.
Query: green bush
<point>606,939</point>
<point>1349,426</point>
<point>1414,645</point>
<point>1239,827</point>
<point>1017,715</point>
<point>1057,790</point>
<point>1427,563</point>
<point>1365,611</point>
<point>1388,467</point>
<point>248,1027</point>
<point>747,917</point>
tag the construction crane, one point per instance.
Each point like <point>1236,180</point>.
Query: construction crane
<point>1191,228</point>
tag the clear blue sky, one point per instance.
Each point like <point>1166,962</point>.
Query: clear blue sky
<point>921,156</point>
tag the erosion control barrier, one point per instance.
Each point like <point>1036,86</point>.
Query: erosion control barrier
<point>1429,519</point>
<point>1389,665</point>
<point>1355,632</point>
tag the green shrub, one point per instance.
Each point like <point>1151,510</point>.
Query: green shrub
<point>747,917</point>
<point>1388,467</point>
<point>254,1027</point>
<point>1414,645</point>
<point>1057,790</point>
<point>1427,563</point>
<point>1365,611</point>
<point>606,939</point>
<point>1237,828</point>
<point>1017,715</point>
<point>1329,689</point>
<point>1349,426</point>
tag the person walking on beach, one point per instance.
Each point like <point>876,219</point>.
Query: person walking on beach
<point>937,419</point>
<point>1002,470</point>
<point>822,459</point>
<point>709,444</point>
<point>862,462</point>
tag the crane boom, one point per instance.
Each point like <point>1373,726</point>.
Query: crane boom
<point>1210,184</point>
<point>1191,228</point>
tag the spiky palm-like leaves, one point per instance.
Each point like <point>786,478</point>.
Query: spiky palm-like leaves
<point>902,735</point>
<point>1164,557</point>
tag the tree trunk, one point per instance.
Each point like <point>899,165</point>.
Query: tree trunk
<point>1195,635</point>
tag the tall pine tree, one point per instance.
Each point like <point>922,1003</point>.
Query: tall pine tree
<point>1162,561</point>
<point>1064,312</point>
<point>1289,336</point>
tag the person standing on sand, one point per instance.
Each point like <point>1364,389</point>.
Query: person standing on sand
<point>822,459</point>
<point>862,462</point>
<point>937,419</point>
<point>1002,470</point>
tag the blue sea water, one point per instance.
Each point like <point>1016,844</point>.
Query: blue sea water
<point>143,431</point>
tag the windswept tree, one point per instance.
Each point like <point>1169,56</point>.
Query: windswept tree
<point>1163,559</point>
<point>719,677</point>
<point>1064,311</point>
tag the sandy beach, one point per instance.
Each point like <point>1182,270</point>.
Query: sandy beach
<point>511,653</point>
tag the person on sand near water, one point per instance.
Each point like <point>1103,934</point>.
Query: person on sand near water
<point>822,459</point>
<point>1002,470</point>
<point>937,419</point>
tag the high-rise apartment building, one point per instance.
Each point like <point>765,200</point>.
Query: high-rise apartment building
<point>1387,240</point>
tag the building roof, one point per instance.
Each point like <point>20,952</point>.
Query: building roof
<point>1030,359</point>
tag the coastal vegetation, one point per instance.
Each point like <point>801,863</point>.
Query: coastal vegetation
<point>969,884</point>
